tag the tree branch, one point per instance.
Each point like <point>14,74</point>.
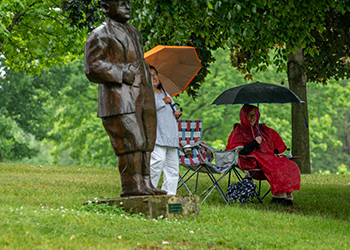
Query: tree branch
<point>42,31</point>
<point>197,108</point>
<point>55,19</point>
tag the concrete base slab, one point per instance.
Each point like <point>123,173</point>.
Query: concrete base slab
<point>155,206</point>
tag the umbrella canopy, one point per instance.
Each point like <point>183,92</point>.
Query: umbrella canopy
<point>257,92</point>
<point>176,66</point>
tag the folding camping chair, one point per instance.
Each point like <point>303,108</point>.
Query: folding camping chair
<point>197,156</point>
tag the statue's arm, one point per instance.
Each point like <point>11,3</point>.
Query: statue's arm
<point>98,68</point>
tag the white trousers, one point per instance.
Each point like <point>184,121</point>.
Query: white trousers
<point>165,159</point>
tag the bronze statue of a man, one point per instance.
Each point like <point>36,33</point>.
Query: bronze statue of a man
<point>114,60</point>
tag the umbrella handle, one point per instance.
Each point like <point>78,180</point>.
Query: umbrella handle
<point>171,105</point>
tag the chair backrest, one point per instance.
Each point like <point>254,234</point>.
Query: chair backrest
<point>190,132</point>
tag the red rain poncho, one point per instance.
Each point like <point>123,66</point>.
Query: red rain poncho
<point>283,174</point>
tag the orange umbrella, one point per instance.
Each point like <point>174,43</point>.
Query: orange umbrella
<point>176,66</point>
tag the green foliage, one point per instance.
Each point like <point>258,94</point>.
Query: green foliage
<point>342,169</point>
<point>250,28</point>
<point>329,125</point>
<point>36,35</point>
<point>25,107</point>
<point>22,97</point>
<point>319,28</point>
<point>81,13</point>
<point>14,142</point>
<point>59,105</point>
<point>101,208</point>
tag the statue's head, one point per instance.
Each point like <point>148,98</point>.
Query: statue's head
<point>118,10</point>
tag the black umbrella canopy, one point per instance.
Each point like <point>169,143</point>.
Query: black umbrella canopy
<point>258,92</point>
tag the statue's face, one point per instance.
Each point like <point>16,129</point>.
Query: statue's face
<point>120,10</point>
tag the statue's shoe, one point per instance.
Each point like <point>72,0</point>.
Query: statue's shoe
<point>149,186</point>
<point>136,192</point>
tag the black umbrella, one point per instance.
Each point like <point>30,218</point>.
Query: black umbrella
<point>258,92</point>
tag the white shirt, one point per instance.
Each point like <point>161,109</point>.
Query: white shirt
<point>167,128</point>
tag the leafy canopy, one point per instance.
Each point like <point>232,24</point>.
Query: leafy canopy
<point>36,34</point>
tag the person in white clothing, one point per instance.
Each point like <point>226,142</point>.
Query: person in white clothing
<point>164,157</point>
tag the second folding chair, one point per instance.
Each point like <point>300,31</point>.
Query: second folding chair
<point>197,157</point>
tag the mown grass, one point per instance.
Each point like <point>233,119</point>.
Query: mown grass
<point>41,208</point>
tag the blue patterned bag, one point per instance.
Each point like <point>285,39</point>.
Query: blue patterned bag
<point>242,191</point>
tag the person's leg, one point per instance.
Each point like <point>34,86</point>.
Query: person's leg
<point>157,163</point>
<point>283,198</point>
<point>280,194</point>
<point>289,196</point>
<point>171,171</point>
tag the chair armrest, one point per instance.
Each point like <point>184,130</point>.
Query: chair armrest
<point>227,157</point>
<point>188,148</point>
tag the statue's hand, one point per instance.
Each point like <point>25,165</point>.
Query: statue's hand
<point>129,73</point>
<point>128,77</point>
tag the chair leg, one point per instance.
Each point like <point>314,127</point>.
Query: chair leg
<point>258,193</point>
<point>229,179</point>
<point>215,185</point>
<point>238,175</point>
<point>183,183</point>
<point>212,187</point>
<point>266,193</point>
<point>195,188</point>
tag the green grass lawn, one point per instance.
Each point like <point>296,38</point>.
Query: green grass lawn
<point>41,208</point>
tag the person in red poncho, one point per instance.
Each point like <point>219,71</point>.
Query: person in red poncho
<point>267,148</point>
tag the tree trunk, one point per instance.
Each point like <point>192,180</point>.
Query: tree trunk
<point>300,133</point>
<point>346,144</point>
<point>0,156</point>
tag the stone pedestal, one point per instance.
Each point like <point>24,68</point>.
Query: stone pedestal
<point>154,206</point>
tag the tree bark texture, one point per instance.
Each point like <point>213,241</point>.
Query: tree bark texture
<point>346,144</point>
<point>300,133</point>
